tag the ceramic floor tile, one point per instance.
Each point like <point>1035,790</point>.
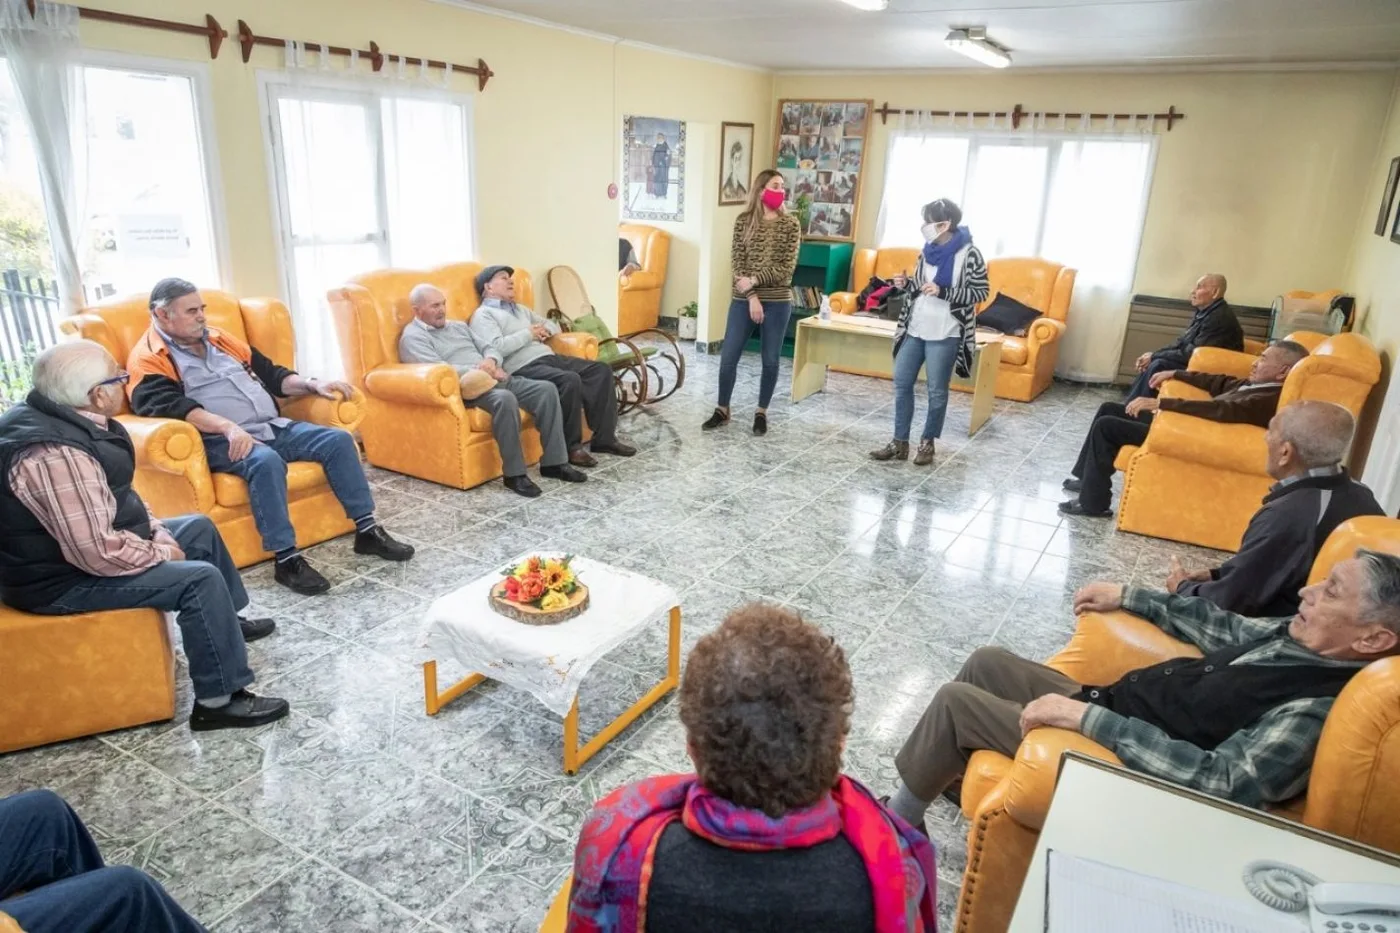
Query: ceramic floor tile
<point>206,762</point>
<point>357,606</point>
<point>126,800</point>
<point>313,897</point>
<point>292,645</point>
<point>432,572</point>
<point>52,766</point>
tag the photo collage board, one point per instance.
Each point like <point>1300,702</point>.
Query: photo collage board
<point>821,151</point>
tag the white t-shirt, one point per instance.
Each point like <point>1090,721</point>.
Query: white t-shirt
<point>932,318</point>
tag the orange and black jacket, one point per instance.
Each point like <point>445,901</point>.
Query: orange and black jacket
<point>156,389</point>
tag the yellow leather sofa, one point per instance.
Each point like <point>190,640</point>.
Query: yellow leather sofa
<point>172,473</point>
<point>1354,790</point>
<point>8,925</point>
<point>415,422</point>
<point>77,675</point>
<point>1027,363</point>
<point>639,294</point>
<point>1199,482</point>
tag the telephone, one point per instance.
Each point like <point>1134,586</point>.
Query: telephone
<point>1332,907</point>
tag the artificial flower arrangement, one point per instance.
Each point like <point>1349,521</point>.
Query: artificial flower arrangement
<point>540,590</point>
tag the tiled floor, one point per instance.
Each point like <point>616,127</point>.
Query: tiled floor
<point>360,813</point>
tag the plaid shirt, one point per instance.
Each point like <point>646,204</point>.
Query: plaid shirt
<point>67,491</point>
<point>1266,762</point>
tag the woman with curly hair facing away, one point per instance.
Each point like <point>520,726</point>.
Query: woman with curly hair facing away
<point>769,835</point>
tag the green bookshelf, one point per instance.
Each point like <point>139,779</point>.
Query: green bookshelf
<point>822,265</point>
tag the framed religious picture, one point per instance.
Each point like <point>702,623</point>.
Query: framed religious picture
<point>1388,195</point>
<point>735,162</point>
<point>820,149</point>
<point>653,169</point>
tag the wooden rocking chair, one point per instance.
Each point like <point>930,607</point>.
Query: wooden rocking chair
<point>640,372</point>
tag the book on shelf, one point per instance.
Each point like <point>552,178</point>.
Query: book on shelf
<point>806,296</point>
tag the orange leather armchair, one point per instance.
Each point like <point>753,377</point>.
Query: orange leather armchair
<point>639,294</point>
<point>1199,482</point>
<point>1027,363</point>
<point>8,925</point>
<point>1355,771</point>
<point>172,473</point>
<point>415,422</point>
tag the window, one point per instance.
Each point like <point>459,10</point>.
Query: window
<point>365,180</point>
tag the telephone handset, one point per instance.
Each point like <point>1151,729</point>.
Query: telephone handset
<point>1332,907</point>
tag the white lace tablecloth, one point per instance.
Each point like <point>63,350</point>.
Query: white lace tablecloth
<point>550,661</point>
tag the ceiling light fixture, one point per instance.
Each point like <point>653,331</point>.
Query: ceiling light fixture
<point>872,6</point>
<point>973,42</point>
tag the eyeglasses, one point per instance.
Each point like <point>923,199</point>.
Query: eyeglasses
<point>120,379</point>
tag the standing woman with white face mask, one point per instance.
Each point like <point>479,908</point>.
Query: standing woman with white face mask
<point>936,329</point>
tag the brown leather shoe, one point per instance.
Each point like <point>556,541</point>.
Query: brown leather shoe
<point>925,454</point>
<point>582,458</point>
<point>894,450</point>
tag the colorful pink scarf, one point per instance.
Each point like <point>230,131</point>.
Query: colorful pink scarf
<point>613,862</point>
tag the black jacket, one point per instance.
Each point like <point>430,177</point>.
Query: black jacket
<point>1212,326</point>
<point>33,570</point>
<point>1262,580</point>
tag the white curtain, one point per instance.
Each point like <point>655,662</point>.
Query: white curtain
<point>42,53</point>
<point>1068,194</point>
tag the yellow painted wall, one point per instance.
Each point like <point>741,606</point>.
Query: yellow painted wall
<point>546,129</point>
<point>1374,273</point>
<point>1263,181</point>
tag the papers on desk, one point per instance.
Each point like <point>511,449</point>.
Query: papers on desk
<point>1084,896</point>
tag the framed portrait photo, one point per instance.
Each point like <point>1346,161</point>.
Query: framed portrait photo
<point>735,162</point>
<point>820,149</point>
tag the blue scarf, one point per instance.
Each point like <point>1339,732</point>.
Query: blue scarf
<point>941,256</point>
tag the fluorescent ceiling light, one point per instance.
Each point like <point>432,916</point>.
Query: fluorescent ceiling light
<point>973,43</point>
<point>873,6</point>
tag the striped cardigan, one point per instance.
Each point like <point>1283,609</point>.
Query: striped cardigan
<point>969,289</point>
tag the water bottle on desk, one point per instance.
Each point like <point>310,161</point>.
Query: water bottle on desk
<point>824,312</point>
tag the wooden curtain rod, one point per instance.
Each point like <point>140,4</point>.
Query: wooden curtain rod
<point>216,35</point>
<point>247,39</point>
<point>1018,113</point>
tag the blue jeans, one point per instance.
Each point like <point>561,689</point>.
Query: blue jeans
<point>46,852</point>
<point>914,354</point>
<point>770,335</point>
<point>265,472</point>
<point>205,592</point>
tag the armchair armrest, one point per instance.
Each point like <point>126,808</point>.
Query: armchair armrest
<point>575,343</point>
<point>843,302</point>
<point>1224,362</point>
<point>640,281</point>
<point>1236,447</point>
<point>1106,645</point>
<point>430,385</point>
<point>171,453</point>
<point>1044,331</point>
<point>345,414</point>
<point>1175,388</point>
<point>1031,781</point>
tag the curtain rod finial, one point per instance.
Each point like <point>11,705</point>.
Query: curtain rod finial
<point>216,34</point>
<point>245,40</point>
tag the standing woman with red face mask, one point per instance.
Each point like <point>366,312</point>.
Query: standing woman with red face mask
<point>763,259</point>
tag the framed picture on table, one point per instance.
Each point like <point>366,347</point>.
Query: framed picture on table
<point>820,149</point>
<point>735,162</point>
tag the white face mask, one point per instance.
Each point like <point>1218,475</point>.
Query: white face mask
<point>932,231</point>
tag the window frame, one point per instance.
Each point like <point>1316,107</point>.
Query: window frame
<point>341,86</point>
<point>203,99</point>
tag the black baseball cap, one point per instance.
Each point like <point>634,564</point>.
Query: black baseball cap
<point>487,274</point>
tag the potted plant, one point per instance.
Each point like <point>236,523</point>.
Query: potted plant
<point>688,322</point>
<point>804,211</point>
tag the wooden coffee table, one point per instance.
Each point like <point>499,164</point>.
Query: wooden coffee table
<point>863,345</point>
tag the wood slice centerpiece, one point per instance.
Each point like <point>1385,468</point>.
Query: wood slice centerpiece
<point>532,615</point>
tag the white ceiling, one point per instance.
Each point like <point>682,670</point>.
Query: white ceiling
<point>799,35</point>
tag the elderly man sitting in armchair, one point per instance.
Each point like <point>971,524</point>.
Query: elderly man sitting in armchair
<point>1241,722</point>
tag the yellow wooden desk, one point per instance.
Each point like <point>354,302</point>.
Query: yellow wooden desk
<point>863,344</point>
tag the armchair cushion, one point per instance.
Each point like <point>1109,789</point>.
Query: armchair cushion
<point>302,476</point>
<point>1008,316</point>
<point>1107,645</point>
<point>1030,783</point>
<point>476,383</point>
<point>1014,351</point>
<point>641,280</point>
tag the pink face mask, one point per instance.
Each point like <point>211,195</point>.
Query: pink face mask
<point>773,198</point>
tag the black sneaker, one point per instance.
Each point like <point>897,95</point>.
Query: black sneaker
<point>1075,507</point>
<point>760,423</point>
<point>376,541</point>
<point>244,710</point>
<point>522,485</point>
<point>1073,484</point>
<point>564,473</point>
<point>253,629</point>
<point>715,420</point>
<point>300,577</point>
